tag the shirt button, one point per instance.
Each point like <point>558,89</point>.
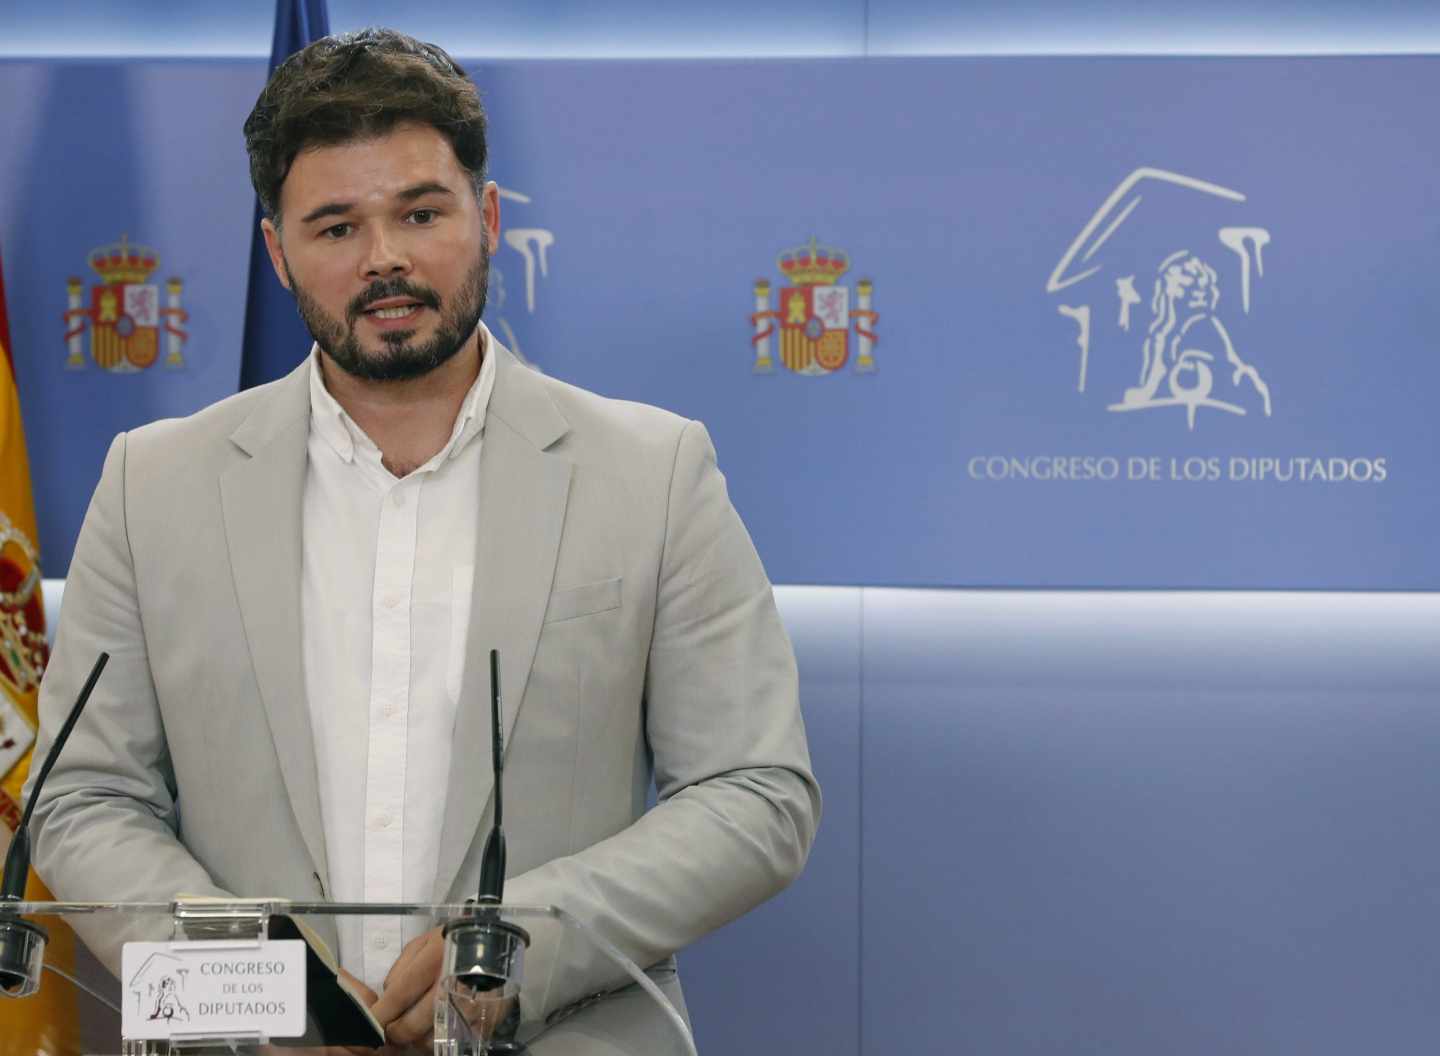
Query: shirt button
<point>381,942</point>
<point>391,601</point>
<point>397,497</point>
<point>382,821</point>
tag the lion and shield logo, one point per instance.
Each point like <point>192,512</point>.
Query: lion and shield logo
<point>1183,248</point>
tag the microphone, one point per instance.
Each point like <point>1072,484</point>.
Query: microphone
<point>22,944</point>
<point>492,859</point>
<point>484,955</point>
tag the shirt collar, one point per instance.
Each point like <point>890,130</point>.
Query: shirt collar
<point>330,421</point>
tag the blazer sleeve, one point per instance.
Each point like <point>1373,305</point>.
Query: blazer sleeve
<point>106,822</point>
<point>737,804</point>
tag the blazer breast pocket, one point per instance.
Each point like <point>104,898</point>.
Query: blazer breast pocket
<point>584,600</point>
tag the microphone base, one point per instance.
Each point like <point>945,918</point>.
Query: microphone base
<point>22,956</point>
<point>484,954</point>
<point>478,1010</point>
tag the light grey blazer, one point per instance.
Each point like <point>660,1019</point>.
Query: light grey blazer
<point>634,622</point>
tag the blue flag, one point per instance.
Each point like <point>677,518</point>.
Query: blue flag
<point>275,338</point>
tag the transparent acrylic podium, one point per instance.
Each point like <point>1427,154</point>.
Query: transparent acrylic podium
<point>573,984</point>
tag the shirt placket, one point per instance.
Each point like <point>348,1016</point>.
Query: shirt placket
<point>389,720</point>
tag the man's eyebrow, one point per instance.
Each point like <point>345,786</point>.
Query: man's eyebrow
<point>328,209</point>
<point>420,190</point>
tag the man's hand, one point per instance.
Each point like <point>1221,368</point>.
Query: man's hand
<point>406,1008</point>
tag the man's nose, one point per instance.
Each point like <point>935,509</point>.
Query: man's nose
<point>385,255</point>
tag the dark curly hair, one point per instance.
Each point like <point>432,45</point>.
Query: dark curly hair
<point>356,86</point>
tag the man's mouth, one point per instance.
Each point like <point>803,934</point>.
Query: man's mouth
<point>392,309</point>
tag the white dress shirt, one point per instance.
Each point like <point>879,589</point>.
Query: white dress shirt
<point>387,573</point>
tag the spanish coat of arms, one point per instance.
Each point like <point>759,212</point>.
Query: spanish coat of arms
<point>814,317</point>
<point>125,315</point>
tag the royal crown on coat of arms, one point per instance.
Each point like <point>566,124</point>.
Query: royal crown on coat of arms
<point>125,314</point>
<point>814,317</point>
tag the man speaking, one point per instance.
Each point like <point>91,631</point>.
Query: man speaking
<point>300,586</point>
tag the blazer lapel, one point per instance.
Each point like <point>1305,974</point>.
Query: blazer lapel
<point>523,495</point>
<point>261,499</point>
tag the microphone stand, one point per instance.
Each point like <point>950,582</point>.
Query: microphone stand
<point>22,943</point>
<point>484,955</point>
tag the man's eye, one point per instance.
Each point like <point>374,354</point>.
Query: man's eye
<point>423,216</point>
<point>336,231</point>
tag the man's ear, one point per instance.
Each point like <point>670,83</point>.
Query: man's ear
<point>490,214</point>
<point>272,246</point>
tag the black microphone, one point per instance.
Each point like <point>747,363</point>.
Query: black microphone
<point>492,859</point>
<point>485,952</point>
<point>22,944</point>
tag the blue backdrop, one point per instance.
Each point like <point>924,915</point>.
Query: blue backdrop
<point>1105,269</point>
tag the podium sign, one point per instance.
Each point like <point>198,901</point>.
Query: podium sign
<point>170,990</point>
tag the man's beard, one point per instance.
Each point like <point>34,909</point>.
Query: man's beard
<point>401,360</point>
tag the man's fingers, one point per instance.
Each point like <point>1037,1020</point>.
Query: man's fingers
<point>412,949</point>
<point>406,1007</point>
<point>410,979</point>
<point>400,996</point>
<point>416,1022</point>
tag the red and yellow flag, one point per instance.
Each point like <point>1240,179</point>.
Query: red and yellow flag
<point>42,1025</point>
